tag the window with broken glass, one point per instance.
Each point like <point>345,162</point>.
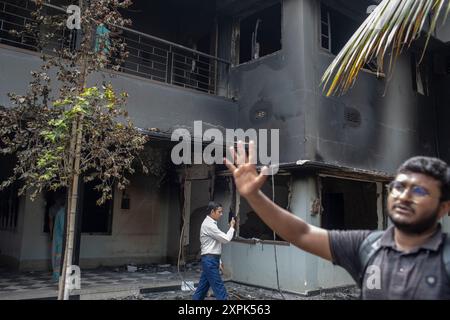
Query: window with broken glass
<point>9,200</point>
<point>336,28</point>
<point>250,225</point>
<point>260,33</point>
<point>9,209</point>
<point>95,219</point>
<point>348,204</point>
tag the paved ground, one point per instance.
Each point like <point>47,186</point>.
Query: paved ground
<point>96,284</point>
<point>149,282</point>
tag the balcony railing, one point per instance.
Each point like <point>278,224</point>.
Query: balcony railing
<point>149,56</point>
<point>16,15</point>
<point>165,61</point>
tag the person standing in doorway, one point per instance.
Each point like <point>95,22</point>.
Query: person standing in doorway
<point>56,224</point>
<point>211,239</point>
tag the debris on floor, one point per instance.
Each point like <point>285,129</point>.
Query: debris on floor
<point>238,291</point>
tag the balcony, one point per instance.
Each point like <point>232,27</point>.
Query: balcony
<point>150,57</point>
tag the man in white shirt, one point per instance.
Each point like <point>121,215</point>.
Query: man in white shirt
<point>211,239</point>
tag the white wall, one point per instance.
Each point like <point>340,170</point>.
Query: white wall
<point>138,234</point>
<point>36,245</point>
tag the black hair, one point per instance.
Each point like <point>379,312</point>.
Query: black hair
<point>433,167</point>
<point>213,206</point>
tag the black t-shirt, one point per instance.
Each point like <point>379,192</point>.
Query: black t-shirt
<point>392,274</point>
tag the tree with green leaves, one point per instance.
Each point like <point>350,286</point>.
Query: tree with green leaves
<point>393,26</point>
<point>63,130</point>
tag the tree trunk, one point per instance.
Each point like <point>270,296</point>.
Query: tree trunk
<point>73,207</point>
<point>74,163</point>
<point>72,197</point>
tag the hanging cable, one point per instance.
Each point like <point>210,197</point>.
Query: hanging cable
<point>183,213</point>
<point>274,239</point>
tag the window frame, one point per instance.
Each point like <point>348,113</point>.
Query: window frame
<point>381,196</point>
<point>328,51</point>
<point>253,241</point>
<point>236,34</point>
<point>9,221</point>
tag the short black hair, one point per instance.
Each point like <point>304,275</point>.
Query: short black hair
<point>213,206</point>
<point>433,167</point>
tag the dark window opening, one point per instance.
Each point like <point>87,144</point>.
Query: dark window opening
<point>348,204</point>
<point>9,200</point>
<point>260,34</point>
<point>188,23</point>
<point>335,29</point>
<point>95,218</point>
<point>9,208</point>
<point>325,40</point>
<point>250,225</point>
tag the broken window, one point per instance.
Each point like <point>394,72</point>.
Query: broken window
<point>349,204</point>
<point>325,31</point>
<point>9,205</point>
<point>335,29</point>
<point>250,225</point>
<point>260,34</point>
<point>95,218</point>
<point>9,200</point>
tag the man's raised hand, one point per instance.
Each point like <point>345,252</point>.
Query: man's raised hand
<point>247,180</point>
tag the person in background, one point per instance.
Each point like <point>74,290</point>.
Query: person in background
<point>211,240</point>
<point>56,225</point>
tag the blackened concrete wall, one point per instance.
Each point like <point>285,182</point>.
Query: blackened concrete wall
<point>393,126</point>
<point>150,104</point>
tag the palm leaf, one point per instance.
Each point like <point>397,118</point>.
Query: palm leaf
<point>394,25</point>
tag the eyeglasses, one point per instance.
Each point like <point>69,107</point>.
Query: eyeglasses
<point>396,188</point>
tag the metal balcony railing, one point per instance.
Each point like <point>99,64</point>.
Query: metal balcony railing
<point>149,56</point>
<point>15,15</point>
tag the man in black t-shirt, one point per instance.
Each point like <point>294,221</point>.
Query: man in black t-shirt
<point>408,262</point>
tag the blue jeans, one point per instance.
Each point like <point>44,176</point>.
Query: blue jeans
<point>210,278</point>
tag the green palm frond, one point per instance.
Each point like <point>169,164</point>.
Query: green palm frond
<point>393,25</point>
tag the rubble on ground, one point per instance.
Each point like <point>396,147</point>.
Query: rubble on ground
<point>238,291</point>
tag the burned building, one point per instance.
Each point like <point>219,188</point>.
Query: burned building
<point>243,64</point>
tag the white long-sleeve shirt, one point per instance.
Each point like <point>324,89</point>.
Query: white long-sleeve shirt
<point>211,238</point>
